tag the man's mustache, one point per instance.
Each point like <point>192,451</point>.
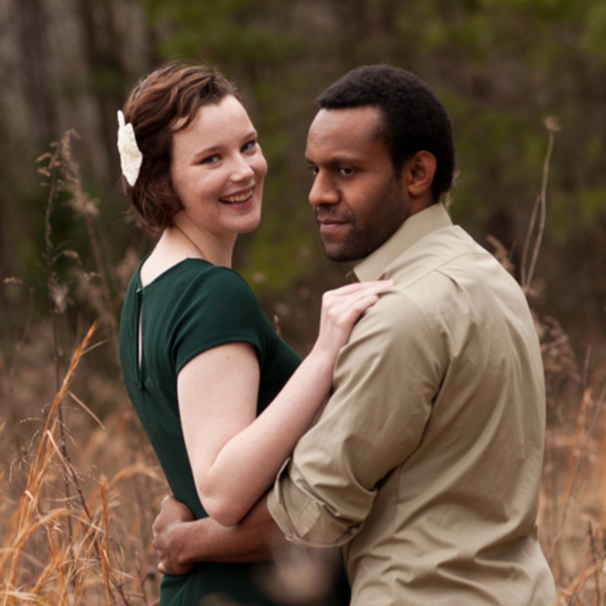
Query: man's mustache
<point>328,213</point>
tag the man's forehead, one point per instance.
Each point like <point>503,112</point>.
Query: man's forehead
<point>334,118</point>
<point>344,128</point>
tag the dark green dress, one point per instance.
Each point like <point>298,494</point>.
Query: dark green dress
<point>192,307</point>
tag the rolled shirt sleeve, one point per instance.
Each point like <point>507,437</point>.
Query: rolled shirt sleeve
<point>384,384</point>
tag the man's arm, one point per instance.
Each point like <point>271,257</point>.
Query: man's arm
<point>384,384</point>
<point>180,541</point>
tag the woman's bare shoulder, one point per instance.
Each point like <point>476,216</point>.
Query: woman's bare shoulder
<point>167,253</point>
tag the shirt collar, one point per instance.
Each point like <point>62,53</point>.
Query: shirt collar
<point>415,228</point>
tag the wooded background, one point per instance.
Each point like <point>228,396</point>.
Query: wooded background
<point>78,479</point>
<point>501,67</point>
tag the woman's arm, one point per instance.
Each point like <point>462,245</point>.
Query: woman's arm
<point>235,455</point>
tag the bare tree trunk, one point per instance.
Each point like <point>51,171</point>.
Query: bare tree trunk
<point>30,15</point>
<point>4,260</point>
<point>106,73</point>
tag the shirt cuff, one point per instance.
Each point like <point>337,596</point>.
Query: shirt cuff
<point>304,520</point>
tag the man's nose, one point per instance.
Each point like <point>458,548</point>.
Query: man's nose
<point>323,192</point>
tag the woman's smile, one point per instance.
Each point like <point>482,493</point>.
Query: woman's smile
<point>239,198</point>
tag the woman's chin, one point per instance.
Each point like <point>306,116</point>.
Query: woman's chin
<point>250,225</point>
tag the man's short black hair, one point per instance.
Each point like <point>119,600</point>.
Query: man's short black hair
<point>414,118</point>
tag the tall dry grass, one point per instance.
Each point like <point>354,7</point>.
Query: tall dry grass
<point>74,537</point>
<point>78,492</point>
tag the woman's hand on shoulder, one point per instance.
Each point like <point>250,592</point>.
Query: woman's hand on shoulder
<point>342,308</point>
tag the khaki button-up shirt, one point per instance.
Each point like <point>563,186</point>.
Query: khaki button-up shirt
<point>426,461</point>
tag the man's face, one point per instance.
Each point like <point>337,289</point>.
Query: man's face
<point>359,201</point>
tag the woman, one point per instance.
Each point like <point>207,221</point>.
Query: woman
<point>200,361</point>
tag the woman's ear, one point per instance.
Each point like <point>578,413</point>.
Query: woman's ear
<point>420,170</point>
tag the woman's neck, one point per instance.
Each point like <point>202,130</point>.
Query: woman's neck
<point>195,243</point>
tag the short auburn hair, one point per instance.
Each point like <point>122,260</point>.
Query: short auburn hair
<point>173,93</point>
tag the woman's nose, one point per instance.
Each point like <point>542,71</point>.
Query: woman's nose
<point>242,169</point>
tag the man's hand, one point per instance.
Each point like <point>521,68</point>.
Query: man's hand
<point>181,541</point>
<point>172,525</point>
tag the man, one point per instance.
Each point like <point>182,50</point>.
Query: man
<point>426,461</point>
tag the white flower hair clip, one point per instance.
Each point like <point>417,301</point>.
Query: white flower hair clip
<point>130,154</point>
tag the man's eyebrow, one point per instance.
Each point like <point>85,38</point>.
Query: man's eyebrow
<point>336,160</point>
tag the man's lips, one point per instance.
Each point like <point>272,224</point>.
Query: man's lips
<point>327,223</point>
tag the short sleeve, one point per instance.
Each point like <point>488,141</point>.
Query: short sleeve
<point>216,308</point>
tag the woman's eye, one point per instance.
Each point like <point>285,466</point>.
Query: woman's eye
<point>248,146</point>
<point>210,159</point>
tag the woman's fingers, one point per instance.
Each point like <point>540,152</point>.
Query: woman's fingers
<point>360,287</point>
<point>342,307</point>
<point>353,299</point>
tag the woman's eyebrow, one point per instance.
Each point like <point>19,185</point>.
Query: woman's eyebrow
<point>213,149</point>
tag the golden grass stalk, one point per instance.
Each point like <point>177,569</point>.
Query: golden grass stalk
<point>65,561</point>
<point>574,458</point>
<point>540,208</point>
<point>30,500</point>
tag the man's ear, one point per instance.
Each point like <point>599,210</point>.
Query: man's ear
<point>419,173</point>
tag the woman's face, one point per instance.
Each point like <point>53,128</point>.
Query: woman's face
<point>218,170</point>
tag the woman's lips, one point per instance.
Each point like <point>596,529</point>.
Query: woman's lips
<point>238,197</point>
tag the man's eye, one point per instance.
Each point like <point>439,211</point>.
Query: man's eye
<point>346,171</point>
<point>313,170</point>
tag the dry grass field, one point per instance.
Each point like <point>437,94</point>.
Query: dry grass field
<point>78,496</point>
<point>79,489</point>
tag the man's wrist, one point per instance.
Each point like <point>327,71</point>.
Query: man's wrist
<point>189,543</point>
